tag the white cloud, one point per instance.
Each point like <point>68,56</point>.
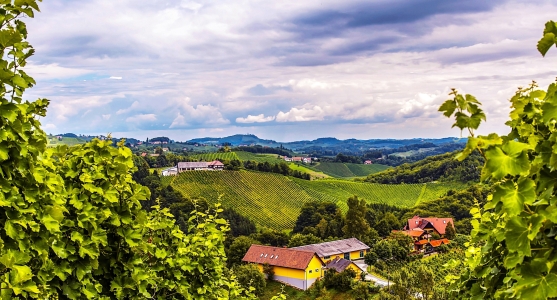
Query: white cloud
<point>141,118</point>
<point>135,105</point>
<point>49,126</point>
<point>255,119</point>
<point>198,115</point>
<point>301,114</point>
<point>106,117</point>
<point>115,77</point>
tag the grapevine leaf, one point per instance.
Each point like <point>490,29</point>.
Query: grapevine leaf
<point>545,43</point>
<point>514,197</point>
<point>448,107</point>
<point>516,236</point>
<point>533,285</point>
<point>510,159</point>
<point>4,152</point>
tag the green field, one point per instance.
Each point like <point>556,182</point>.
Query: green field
<point>274,201</point>
<point>53,141</point>
<point>348,170</point>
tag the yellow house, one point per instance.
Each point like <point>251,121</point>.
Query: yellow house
<point>341,264</point>
<point>349,249</point>
<point>298,268</point>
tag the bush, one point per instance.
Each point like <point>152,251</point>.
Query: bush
<point>269,271</point>
<point>250,276</point>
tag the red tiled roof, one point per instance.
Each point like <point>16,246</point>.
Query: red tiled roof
<point>440,224</point>
<point>417,232</point>
<point>216,163</point>
<point>281,257</point>
<point>437,243</point>
<point>421,242</point>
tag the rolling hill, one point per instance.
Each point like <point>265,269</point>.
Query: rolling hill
<point>274,201</point>
<point>348,170</point>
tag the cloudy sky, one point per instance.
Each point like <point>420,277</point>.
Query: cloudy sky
<point>284,70</point>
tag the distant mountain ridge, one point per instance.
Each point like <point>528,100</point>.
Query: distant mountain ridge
<point>241,139</point>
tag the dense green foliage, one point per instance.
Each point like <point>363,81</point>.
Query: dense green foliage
<point>434,168</point>
<point>71,219</point>
<point>514,232</point>
<point>274,201</point>
<point>249,276</point>
<point>421,278</point>
<point>260,149</point>
<point>279,168</point>
<point>323,219</point>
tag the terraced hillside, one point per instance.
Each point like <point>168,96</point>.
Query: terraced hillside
<point>274,201</point>
<point>349,170</point>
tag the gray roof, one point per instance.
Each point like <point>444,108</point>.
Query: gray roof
<point>335,247</point>
<point>340,264</point>
<point>194,164</point>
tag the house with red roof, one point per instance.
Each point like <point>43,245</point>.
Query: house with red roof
<point>429,225</point>
<point>297,268</point>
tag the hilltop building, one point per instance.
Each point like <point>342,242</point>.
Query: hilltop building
<point>297,268</point>
<point>349,249</point>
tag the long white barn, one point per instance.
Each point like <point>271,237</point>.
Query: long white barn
<point>200,166</point>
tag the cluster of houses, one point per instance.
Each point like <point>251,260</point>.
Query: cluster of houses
<point>193,166</point>
<point>301,266</point>
<point>305,160</point>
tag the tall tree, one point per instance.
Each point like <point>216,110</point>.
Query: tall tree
<point>356,224</point>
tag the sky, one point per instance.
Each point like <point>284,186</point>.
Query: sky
<point>283,70</point>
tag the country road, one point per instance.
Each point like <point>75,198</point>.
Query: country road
<point>377,280</point>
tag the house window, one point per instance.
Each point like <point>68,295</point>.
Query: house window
<point>362,253</point>
<point>347,256</point>
<point>327,257</point>
<point>444,221</point>
<point>316,270</point>
<point>276,257</point>
<point>310,271</point>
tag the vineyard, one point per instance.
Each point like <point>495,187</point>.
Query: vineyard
<point>364,170</point>
<point>260,158</point>
<point>274,201</point>
<point>348,170</point>
<point>214,156</point>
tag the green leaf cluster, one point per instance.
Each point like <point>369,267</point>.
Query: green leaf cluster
<point>71,222</point>
<point>513,251</point>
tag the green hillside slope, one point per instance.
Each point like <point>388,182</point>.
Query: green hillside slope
<point>215,156</point>
<point>274,201</point>
<point>341,170</point>
<point>442,167</point>
<point>364,170</point>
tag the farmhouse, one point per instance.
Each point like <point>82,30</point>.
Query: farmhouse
<point>349,249</point>
<point>297,158</point>
<point>200,166</point>
<point>429,225</point>
<point>297,268</point>
<point>367,162</point>
<point>286,158</point>
<point>341,264</point>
